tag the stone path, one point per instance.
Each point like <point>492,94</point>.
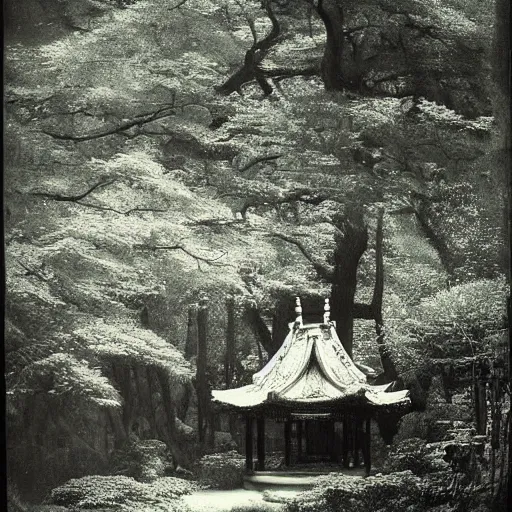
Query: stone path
<point>226,501</point>
<point>276,486</point>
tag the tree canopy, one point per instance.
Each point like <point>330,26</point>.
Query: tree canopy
<point>170,150</point>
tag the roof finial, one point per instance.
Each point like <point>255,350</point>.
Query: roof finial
<point>327,311</point>
<point>298,312</point>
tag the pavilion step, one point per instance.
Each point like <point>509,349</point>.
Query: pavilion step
<point>296,480</point>
<point>273,480</point>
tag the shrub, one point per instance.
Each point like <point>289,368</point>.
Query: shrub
<point>116,491</point>
<point>42,508</point>
<point>143,460</point>
<point>309,501</point>
<point>172,487</point>
<point>338,492</point>
<point>223,442</point>
<point>255,507</point>
<point>222,470</point>
<point>415,455</point>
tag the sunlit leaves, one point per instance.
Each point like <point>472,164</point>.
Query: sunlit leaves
<point>480,305</point>
<point>62,377</point>
<point>122,340</point>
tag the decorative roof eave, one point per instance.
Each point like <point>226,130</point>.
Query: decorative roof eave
<point>363,400</point>
<point>335,409</point>
<point>311,370</point>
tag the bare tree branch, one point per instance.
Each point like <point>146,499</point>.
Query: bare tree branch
<point>257,160</point>
<point>305,195</point>
<point>322,270</point>
<point>180,247</point>
<point>253,57</point>
<point>249,20</point>
<point>76,198</point>
<point>33,272</point>
<point>214,222</point>
<point>127,212</point>
<point>137,121</point>
<point>178,5</point>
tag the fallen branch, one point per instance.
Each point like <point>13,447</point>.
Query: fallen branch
<point>279,74</point>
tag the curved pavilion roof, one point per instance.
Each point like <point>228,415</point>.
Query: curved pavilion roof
<point>310,368</point>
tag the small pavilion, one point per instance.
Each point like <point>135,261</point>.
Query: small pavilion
<point>314,388</point>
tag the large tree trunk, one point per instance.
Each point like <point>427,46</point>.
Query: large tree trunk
<point>253,317</point>
<point>332,15</point>
<point>191,341</point>
<point>501,107</point>
<point>153,419</point>
<point>201,377</point>
<point>253,57</point>
<point>123,377</point>
<point>283,315</point>
<point>116,424</point>
<point>351,241</point>
<point>171,435</point>
<point>229,358</point>
<point>390,371</point>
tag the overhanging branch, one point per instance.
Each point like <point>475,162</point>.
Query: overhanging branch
<point>305,195</point>
<point>323,271</point>
<point>180,247</point>
<point>77,199</point>
<point>257,160</point>
<point>126,212</point>
<point>253,57</point>
<point>120,128</point>
<point>74,198</point>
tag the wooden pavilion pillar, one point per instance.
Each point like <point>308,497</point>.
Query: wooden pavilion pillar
<point>260,447</point>
<point>287,442</point>
<point>299,438</point>
<point>345,442</point>
<point>332,440</point>
<point>248,443</point>
<point>367,452</point>
<point>357,429</point>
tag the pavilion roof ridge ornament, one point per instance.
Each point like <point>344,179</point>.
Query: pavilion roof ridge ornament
<point>298,312</point>
<point>299,321</point>
<point>327,312</point>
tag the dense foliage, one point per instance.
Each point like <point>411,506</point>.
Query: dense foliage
<point>120,491</point>
<point>223,470</point>
<point>161,155</point>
